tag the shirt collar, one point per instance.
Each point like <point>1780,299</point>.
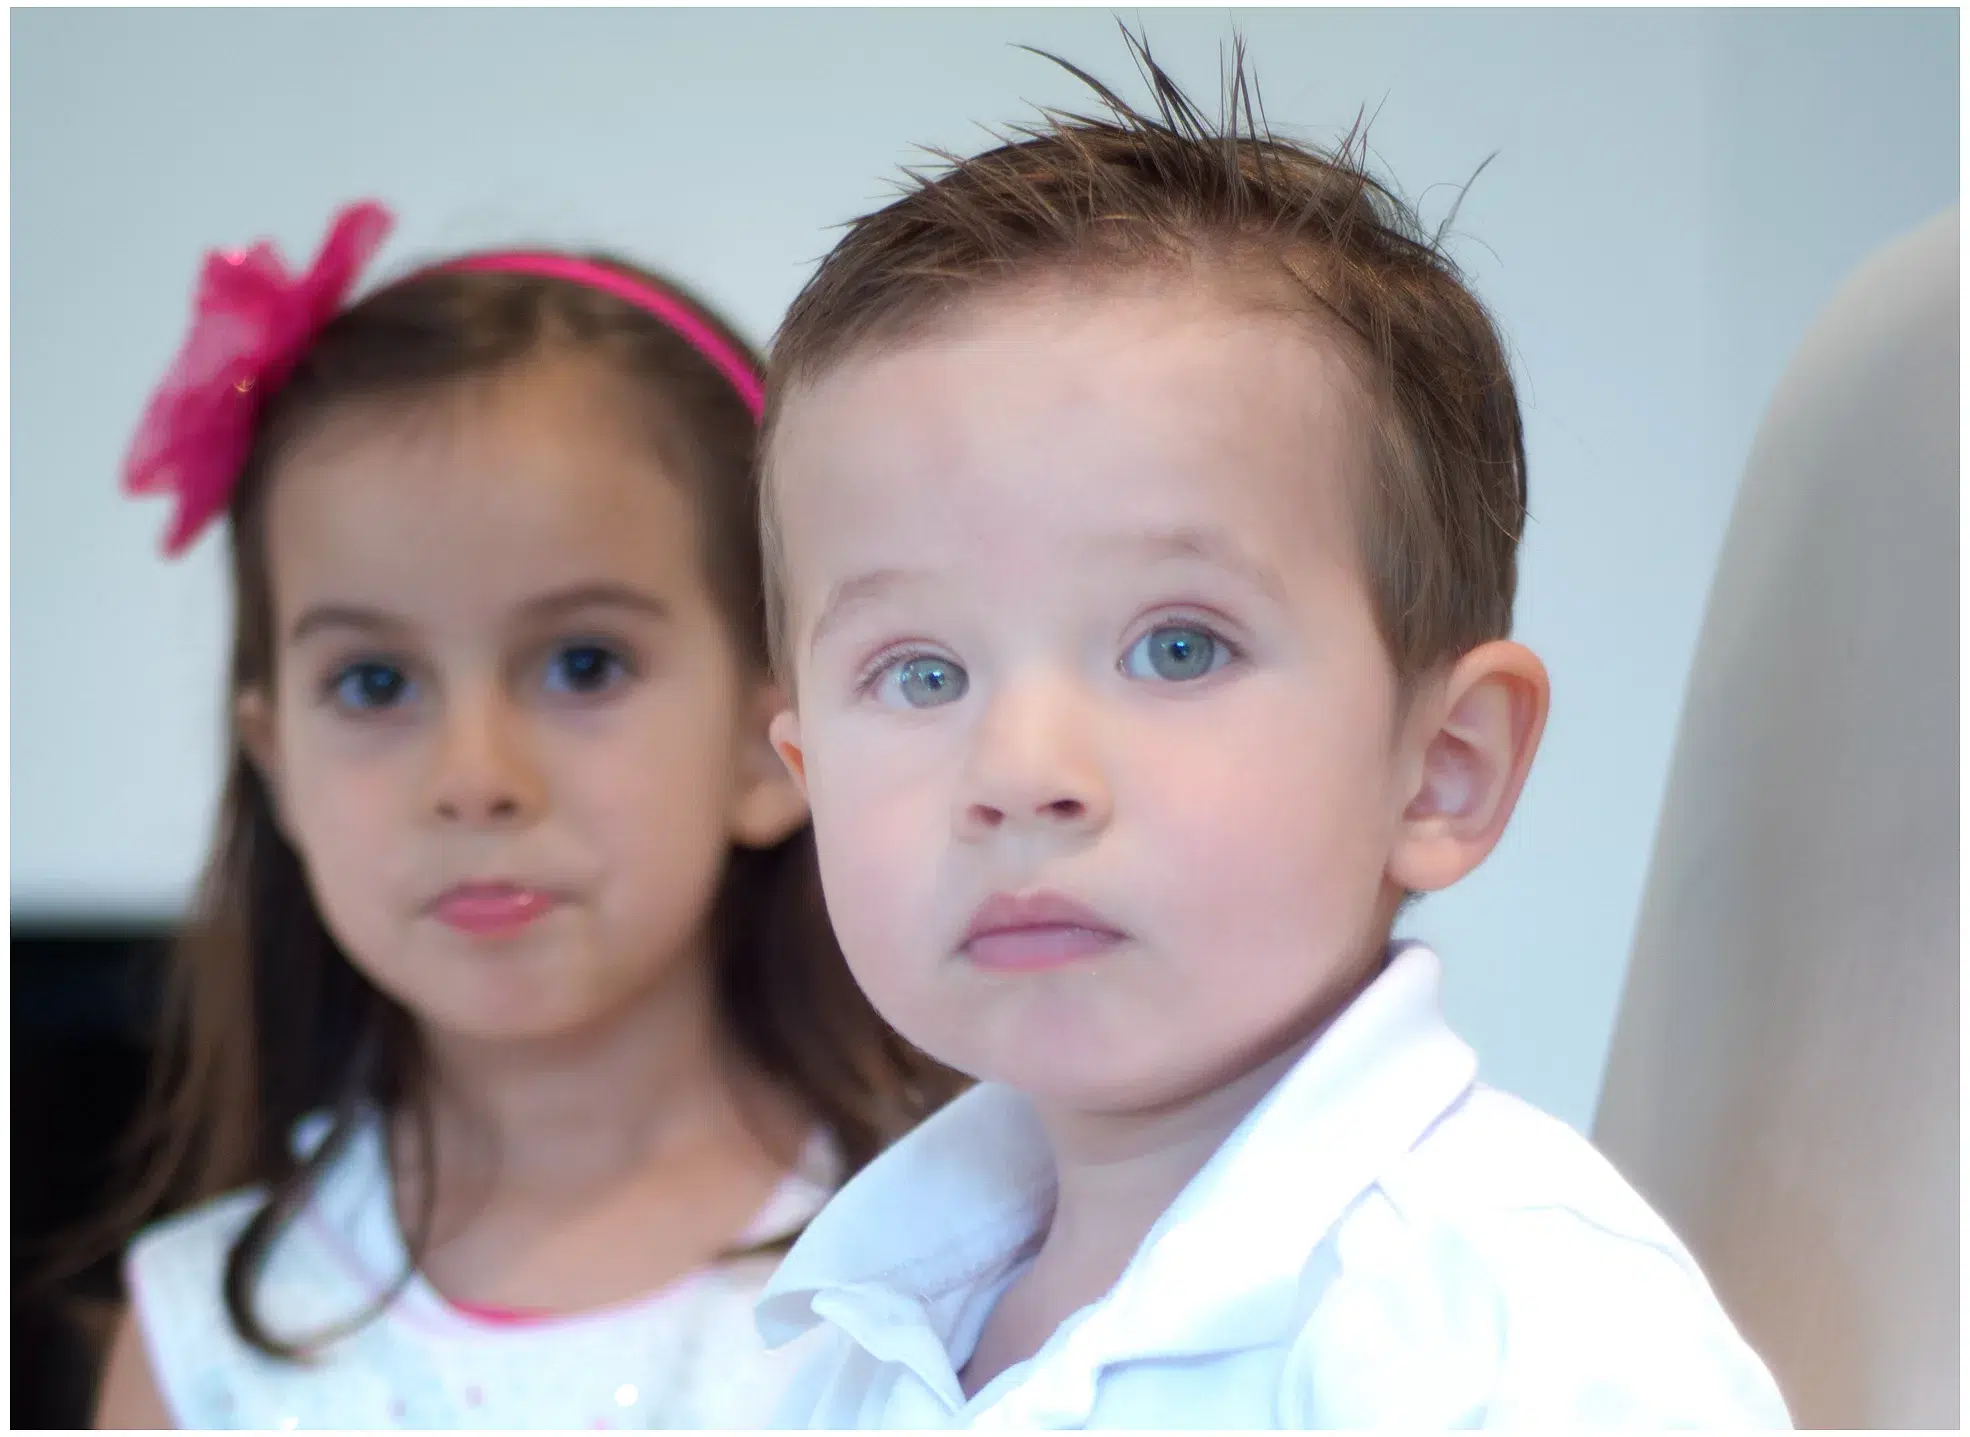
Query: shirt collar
<point>935,1215</point>
<point>956,1204</point>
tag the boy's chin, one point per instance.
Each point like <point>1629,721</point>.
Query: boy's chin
<point>1090,1082</point>
<point>1080,1063</point>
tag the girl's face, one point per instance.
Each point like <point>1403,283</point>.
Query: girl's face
<point>509,734</point>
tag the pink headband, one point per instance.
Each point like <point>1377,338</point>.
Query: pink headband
<point>678,316</point>
<point>252,322</point>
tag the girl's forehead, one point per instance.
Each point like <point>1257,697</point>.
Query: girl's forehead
<point>498,492</point>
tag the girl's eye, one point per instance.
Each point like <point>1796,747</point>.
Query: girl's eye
<point>584,669</point>
<point>923,682</point>
<point>1177,653</point>
<point>369,686</point>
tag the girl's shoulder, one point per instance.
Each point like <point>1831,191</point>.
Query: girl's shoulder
<point>687,1356</point>
<point>193,1245</point>
<point>175,1274</point>
<point>174,1269</point>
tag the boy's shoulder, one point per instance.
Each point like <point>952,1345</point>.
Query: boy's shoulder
<point>1503,1272</point>
<point>1494,1159</point>
<point>1508,1212</point>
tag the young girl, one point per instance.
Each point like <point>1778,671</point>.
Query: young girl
<point>509,1024</point>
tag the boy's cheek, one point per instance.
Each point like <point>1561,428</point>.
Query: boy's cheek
<point>877,850</point>
<point>879,867</point>
<point>858,767</point>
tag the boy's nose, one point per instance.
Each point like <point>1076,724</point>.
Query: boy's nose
<point>1035,763</point>
<point>1064,811</point>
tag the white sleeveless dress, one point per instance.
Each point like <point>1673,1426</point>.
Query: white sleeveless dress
<point>687,1356</point>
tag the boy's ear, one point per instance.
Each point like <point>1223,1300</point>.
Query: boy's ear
<point>784,732</point>
<point>1470,746</point>
<point>253,719</point>
<point>769,804</point>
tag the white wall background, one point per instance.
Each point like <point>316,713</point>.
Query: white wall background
<point>1674,194</point>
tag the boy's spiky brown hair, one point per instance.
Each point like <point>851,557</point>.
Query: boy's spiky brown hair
<point>1446,508</point>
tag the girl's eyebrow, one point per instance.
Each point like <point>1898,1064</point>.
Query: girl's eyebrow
<point>580,596</point>
<point>340,616</point>
<point>592,596</point>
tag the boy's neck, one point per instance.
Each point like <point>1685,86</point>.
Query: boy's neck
<point>1117,1174</point>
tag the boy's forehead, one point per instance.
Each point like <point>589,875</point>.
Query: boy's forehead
<point>1143,398</point>
<point>1141,319</point>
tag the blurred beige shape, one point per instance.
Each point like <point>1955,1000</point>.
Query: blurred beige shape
<point>1784,1077</point>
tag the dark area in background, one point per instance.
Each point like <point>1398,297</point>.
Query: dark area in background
<point>84,1002</point>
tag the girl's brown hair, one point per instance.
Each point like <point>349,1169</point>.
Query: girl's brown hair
<point>266,1019</point>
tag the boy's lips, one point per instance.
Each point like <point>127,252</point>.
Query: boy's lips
<point>1041,930</point>
<point>487,910</point>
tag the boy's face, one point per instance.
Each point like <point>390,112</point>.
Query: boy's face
<point>1099,734</point>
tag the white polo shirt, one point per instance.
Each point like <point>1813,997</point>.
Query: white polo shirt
<point>1383,1241</point>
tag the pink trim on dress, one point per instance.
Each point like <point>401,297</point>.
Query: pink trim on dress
<point>501,1316</point>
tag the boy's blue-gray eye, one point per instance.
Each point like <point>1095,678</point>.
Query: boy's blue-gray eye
<point>583,669</point>
<point>1175,652</point>
<point>368,686</point>
<point>927,682</point>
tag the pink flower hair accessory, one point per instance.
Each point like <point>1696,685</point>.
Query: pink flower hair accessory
<point>251,323</point>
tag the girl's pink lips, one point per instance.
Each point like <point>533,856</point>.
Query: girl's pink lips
<point>1040,931</point>
<point>490,910</point>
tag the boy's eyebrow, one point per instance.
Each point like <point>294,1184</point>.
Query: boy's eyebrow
<point>845,596</point>
<point>580,596</point>
<point>1209,546</point>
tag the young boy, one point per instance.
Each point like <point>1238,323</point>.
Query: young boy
<point>1142,512</point>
